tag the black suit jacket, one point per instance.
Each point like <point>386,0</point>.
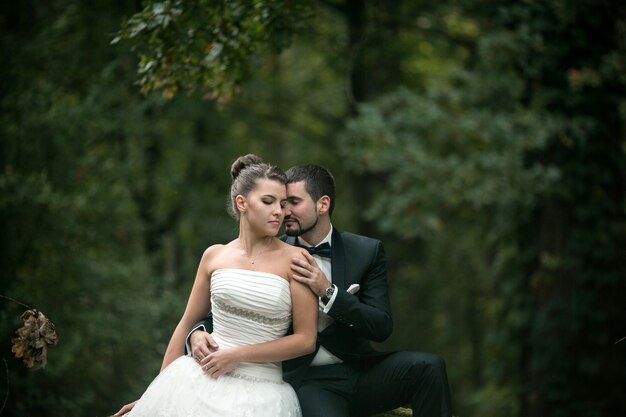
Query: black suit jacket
<point>359,318</point>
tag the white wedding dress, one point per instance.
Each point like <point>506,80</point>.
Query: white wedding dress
<point>248,307</point>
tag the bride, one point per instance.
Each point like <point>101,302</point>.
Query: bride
<point>246,285</point>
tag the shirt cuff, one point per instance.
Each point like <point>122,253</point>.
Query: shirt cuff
<point>187,345</point>
<point>326,307</point>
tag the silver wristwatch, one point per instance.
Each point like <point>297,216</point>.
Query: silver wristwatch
<point>328,294</point>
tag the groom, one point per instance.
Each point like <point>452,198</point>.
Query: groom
<point>345,376</point>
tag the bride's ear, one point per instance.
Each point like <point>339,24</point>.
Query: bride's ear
<point>240,202</point>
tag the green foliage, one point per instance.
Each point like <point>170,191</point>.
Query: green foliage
<point>520,158</point>
<point>111,198</point>
<point>398,412</point>
<point>442,156</point>
<point>208,44</point>
<point>83,227</point>
<point>487,151</point>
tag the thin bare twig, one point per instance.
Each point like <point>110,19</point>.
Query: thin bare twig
<point>16,301</point>
<point>6,397</point>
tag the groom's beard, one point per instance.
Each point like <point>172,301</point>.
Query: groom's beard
<point>300,231</point>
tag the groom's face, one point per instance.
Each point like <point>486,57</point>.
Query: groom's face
<point>300,210</point>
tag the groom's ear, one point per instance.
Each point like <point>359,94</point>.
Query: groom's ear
<point>323,204</point>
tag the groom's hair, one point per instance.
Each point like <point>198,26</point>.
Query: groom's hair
<point>318,181</point>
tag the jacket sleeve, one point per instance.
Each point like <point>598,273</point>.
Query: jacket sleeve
<point>206,325</point>
<point>366,313</point>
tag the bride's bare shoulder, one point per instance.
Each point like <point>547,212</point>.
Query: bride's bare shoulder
<point>212,253</point>
<point>214,250</point>
<point>291,251</point>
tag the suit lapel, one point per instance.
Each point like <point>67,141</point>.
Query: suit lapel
<point>338,260</point>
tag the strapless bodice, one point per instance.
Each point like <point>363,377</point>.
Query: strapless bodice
<point>250,307</point>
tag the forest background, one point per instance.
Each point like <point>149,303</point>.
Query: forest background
<point>482,141</point>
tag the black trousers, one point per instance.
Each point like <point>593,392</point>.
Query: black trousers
<point>414,379</point>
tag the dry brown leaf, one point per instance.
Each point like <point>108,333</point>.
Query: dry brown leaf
<point>33,339</point>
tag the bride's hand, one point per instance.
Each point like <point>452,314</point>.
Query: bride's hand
<point>219,362</point>
<point>126,409</point>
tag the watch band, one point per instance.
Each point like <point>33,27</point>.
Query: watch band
<point>328,294</point>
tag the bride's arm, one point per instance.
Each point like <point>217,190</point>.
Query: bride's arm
<point>197,308</point>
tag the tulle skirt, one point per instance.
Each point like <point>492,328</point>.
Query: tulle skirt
<point>184,390</point>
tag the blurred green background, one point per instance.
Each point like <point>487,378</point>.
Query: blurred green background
<point>482,141</point>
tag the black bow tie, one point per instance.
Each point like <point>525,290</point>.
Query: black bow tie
<point>322,250</point>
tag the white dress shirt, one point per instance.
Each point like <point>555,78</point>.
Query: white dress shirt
<point>323,356</point>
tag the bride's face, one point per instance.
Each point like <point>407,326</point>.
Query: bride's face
<point>264,206</point>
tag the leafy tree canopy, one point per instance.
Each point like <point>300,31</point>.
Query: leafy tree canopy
<point>208,45</point>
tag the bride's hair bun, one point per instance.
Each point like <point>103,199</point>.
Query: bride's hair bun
<point>245,171</point>
<point>242,163</point>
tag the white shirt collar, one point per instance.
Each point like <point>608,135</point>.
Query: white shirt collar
<point>328,239</point>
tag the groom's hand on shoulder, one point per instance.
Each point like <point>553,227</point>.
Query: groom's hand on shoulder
<point>308,272</point>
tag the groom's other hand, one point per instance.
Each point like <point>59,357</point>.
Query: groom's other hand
<point>202,344</point>
<point>126,409</point>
